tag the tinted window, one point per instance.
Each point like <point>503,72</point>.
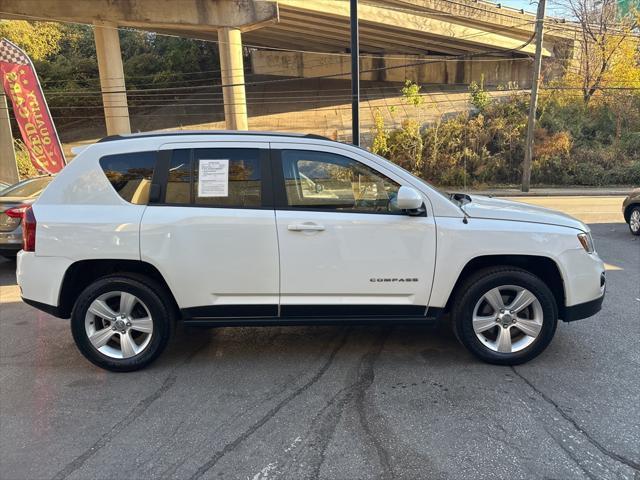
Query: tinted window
<point>179,178</point>
<point>231,177</point>
<point>26,188</point>
<point>329,181</point>
<point>130,174</point>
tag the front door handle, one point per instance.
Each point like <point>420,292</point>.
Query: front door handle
<point>302,227</point>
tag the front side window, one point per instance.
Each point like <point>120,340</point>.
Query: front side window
<point>327,181</point>
<point>130,174</point>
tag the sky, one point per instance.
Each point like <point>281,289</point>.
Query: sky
<point>532,6</point>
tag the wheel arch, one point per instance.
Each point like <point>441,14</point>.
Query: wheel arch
<point>543,267</point>
<point>627,210</point>
<point>81,273</point>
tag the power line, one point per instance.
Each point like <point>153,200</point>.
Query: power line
<point>334,75</point>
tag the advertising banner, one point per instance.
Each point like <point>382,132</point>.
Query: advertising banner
<point>30,109</point>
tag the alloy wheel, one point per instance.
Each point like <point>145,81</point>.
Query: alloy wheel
<point>118,324</point>
<point>634,221</point>
<point>507,319</point>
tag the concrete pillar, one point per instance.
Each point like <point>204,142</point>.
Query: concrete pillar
<point>114,98</point>
<point>232,73</point>
<point>8,167</point>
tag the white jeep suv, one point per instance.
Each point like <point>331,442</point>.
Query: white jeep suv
<point>239,228</point>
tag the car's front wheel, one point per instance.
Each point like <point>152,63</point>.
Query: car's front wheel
<point>505,315</point>
<point>634,220</point>
<point>120,323</point>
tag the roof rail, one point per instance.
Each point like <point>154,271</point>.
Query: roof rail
<point>112,138</point>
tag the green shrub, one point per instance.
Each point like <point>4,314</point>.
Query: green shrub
<point>25,167</point>
<point>406,145</point>
<point>592,145</point>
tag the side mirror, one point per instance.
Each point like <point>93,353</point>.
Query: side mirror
<point>409,199</point>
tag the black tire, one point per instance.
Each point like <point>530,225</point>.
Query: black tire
<point>149,292</point>
<point>634,209</point>
<point>472,290</point>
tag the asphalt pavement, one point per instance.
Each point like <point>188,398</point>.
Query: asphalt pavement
<point>358,402</point>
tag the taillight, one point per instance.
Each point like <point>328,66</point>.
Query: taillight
<point>16,212</point>
<point>28,230</point>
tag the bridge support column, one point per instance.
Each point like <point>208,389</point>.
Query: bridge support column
<point>232,73</point>
<point>114,97</point>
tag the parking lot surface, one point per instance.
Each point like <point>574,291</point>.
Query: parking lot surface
<point>333,402</point>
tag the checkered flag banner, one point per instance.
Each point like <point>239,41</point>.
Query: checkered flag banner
<point>29,108</point>
<point>9,53</point>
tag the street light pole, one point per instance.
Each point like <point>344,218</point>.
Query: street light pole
<point>355,74</point>
<point>533,104</point>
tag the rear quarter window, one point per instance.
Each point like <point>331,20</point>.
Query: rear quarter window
<point>130,174</point>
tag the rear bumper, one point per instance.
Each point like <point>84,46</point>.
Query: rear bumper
<point>40,279</point>
<point>50,309</point>
<point>583,310</point>
<point>10,242</point>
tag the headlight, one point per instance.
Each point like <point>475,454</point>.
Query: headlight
<point>586,241</point>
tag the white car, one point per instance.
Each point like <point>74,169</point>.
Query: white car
<point>239,228</point>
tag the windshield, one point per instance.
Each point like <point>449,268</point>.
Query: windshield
<point>26,188</point>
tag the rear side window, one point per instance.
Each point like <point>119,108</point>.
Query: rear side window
<point>215,177</point>
<point>130,174</point>
<point>239,168</point>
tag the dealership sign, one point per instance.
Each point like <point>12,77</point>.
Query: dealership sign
<point>30,109</point>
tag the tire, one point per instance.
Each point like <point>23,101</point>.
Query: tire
<point>502,342</point>
<point>634,220</point>
<point>137,337</point>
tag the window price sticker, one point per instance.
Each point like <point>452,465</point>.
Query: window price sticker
<point>213,178</point>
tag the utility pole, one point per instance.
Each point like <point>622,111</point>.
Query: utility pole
<point>8,167</point>
<point>355,74</point>
<point>533,104</point>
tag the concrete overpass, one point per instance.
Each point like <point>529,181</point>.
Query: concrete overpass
<point>392,33</point>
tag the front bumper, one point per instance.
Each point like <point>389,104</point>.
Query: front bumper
<point>582,310</point>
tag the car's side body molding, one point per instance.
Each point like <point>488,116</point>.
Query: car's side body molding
<point>313,315</point>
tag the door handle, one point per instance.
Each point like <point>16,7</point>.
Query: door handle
<point>302,227</point>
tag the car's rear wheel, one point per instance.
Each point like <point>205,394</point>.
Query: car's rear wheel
<point>634,220</point>
<point>505,315</point>
<point>120,323</point>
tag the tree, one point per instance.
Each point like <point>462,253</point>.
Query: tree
<point>38,39</point>
<point>608,46</point>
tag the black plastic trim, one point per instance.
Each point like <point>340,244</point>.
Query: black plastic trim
<point>340,311</point>
<point>113,138</point>
<point>248,315</point>
<point>230,311</point>
<point>582,310</point>
<point>161,175</point>
<point>281,321</point>
<point>45,307</point>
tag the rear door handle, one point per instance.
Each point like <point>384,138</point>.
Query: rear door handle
<point>302,227</point>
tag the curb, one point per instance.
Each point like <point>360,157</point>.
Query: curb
<point>553,193</point>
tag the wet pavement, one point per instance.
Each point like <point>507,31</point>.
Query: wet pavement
<point>328,402</point>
